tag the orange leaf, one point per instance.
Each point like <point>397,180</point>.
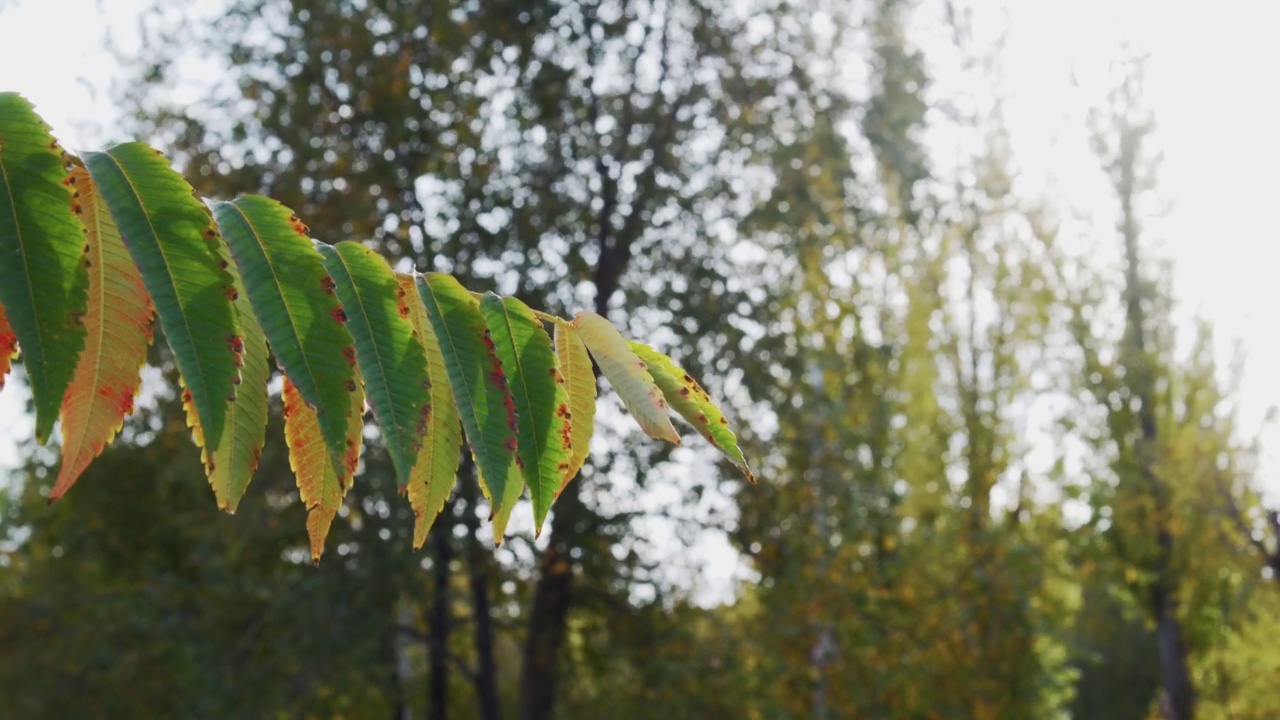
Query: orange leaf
<point>118,324</point>
<point>320,483</point>
<point>8,345</point>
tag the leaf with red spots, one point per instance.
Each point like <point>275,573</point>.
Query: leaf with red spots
<point>169,235</point>
<point>321,483</point>
<point>8,346</point>
<point>42,275</point>
<point>628,374</point>
<point>118,322</point>
<point>435,470</point>
<point>544,436</point>
<point>283,275</point>
<point>479,386</point>
<point>693,403</point>
<point>500,512</point>
<point>580,385</point>
<point>231,466</point>
<point>392,361</point>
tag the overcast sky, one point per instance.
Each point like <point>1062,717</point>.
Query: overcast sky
<point>1211,84</point>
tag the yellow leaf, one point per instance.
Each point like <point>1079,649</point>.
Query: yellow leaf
<point>628,374</point>
<point>118,324</point>
<point>580,384</point>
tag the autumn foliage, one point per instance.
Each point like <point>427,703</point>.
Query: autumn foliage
<point>94,249</point>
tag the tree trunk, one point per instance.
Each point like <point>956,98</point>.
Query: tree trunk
<point>550,611</point>
<point>438,620</point>
<point>1179,694</point>
<point>1178,702</point>
<point>478,557</point>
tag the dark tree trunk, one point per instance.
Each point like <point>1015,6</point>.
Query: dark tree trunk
<point>1179,698</point>
<point>438,620</point>
<point>550,611</point>
<point>554,593</point>
<point>1178,702</point>
<point>478,557</point>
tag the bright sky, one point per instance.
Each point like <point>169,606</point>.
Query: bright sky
<point>1210,81</point>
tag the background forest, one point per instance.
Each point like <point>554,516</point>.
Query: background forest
<point>998,477</point>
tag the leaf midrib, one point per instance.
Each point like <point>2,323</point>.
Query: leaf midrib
<point>95,249</point>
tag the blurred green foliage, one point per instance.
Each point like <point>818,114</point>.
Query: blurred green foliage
<point>889,324</point>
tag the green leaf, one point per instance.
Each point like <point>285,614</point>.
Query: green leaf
<point>544,439</point>
<point>693,404</point>
<point>232,465</point>
<point>628,374</point>
<point>118,321</point>
<point>435,471</point>
<point>392,361</point>
<point>43,284</point>
<point>293,297</point>
<point>580,384</point>
<point>322,483</point>
<point>170,237</point>
<point>479,386</point>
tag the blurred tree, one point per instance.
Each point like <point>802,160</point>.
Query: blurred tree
<point>1170,477</point>
<point>897,313</point>
<point>893,584</point>
<point>563,152</point>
